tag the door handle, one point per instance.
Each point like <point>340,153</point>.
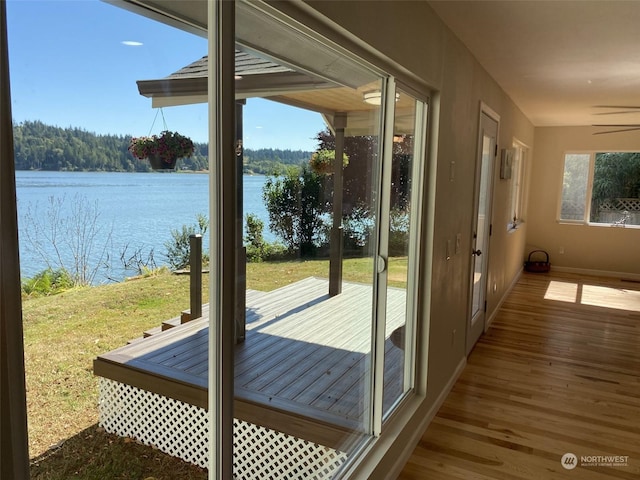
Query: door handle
<point>476,253</point>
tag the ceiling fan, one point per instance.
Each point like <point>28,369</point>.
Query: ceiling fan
<point>618,110</point>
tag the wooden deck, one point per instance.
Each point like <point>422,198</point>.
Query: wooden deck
<point>301,369</point>
<point>557,372</point>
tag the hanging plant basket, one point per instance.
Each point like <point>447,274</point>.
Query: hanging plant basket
<point>162,150</point>
<point>322,161</point>
<point>159,163</point>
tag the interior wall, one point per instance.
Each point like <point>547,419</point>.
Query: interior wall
<point>411,34</point>
<point>598,248</point>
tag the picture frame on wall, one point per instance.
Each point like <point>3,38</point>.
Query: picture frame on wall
<point>506,163</point>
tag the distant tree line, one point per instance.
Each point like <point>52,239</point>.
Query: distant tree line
<point>267,161</point>
<point>44,147</point>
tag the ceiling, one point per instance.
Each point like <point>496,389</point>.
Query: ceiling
<point>557,60</point>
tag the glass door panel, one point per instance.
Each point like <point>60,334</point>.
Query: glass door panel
<point>404,215</point>
<point>303,372</point>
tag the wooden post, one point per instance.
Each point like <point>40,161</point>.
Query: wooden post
<point>195,274</point>
<point>14,454</point>
<point>335,260</point>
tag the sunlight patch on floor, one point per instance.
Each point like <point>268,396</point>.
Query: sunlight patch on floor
<point>608,297</point>
<point>594,295</point>
<point>562,291</point>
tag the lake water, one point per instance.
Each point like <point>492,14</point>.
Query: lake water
<point>138,210</point>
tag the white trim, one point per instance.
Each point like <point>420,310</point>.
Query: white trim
<point>410,415</point>
<point>484,108</point>
<point>159,102</point>
<point>598,273</point>
<point>517,192</point>
<point>221,92</point>
<point>415,237</point>
<point>495,117</point>
<point>382,251</point>
<point>427,235</point>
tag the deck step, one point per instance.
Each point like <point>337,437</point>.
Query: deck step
<point>151,332</point>
<point>167,324</point>
<point>186,314</point>
<point>136,340</point>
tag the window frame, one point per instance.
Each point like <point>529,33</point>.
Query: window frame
<point>589,190</point>
<point>587,210</point>
<point>517,193</point>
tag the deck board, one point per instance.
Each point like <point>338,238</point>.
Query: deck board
<point>304,352</point>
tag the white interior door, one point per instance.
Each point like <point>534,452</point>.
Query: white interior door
<point>487,152</point>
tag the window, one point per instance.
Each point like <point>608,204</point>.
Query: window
<point>517,194</point>
<point>601,188</point>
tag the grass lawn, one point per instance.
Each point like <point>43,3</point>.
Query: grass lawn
<point>65,332</point>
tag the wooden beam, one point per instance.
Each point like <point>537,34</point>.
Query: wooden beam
<point>195,276</point>
<point>335,260</point>
<point>14,454</point>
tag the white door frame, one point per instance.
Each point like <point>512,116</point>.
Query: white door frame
<point>476,317</point>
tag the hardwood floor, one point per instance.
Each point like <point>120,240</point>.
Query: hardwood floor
<point>558,372</point>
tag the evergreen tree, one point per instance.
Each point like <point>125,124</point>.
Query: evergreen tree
<point>44,147</point>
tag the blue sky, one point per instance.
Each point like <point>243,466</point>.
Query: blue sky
<point>75,63</point>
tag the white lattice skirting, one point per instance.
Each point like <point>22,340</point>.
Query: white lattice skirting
<point>182,430</point>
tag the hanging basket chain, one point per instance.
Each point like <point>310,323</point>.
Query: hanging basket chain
<point>168,146</point>
<point>164,122</point>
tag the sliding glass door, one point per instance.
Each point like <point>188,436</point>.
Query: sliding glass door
<point>329,326</point>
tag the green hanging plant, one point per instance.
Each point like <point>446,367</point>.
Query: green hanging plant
<point>322,161</point>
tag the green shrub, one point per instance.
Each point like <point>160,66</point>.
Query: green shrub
<point>398,232</point>
<point>297,209</point>
<point>358,228</point>
<point>258,249</point>
<point>178,248</point>
<point>48,282</point>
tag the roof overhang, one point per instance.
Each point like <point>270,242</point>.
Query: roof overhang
<point>189,85</point>
<point>262,78</point>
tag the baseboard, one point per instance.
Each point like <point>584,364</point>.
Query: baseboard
<point>598,273</point>
<point>422,426</point>
<point>506,293</point>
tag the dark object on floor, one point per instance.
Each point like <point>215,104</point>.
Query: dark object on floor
<point>537,266</point>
